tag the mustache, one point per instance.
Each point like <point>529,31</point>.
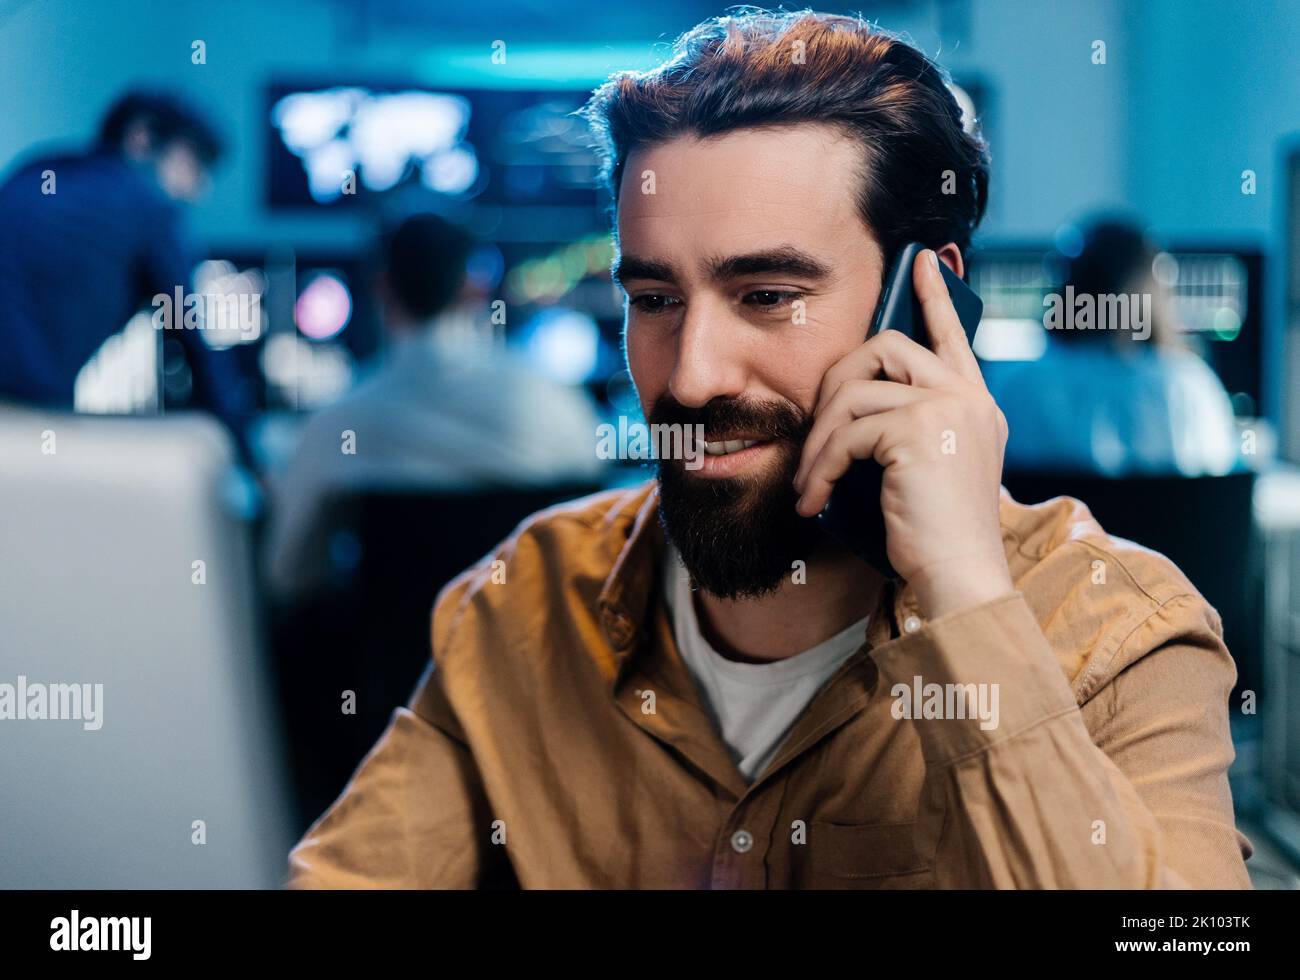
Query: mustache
<point>770,420</point>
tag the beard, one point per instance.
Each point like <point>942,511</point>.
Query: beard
<point>738,536</point>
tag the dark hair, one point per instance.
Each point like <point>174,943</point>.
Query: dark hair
<point>1109,254</point>
<point>761,68</point>
<point>423,259</point>
<point>167,118</point>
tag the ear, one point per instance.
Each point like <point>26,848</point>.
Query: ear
<point>950,255</point>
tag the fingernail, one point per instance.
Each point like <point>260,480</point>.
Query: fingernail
<point>934,260</point>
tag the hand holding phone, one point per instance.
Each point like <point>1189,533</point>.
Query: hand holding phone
<point>853,513</point>
<point>895,400</point>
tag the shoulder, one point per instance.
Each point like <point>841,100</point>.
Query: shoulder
<point>368,399</point>
<point>538,400</point>
<point>1103,602</point>
<point>1185,369</point>
<point>555,563</point>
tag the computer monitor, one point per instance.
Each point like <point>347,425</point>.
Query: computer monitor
<point>1217,293</point>
<point>337,144</point>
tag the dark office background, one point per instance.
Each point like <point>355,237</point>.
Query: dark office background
<point>1192,94</point>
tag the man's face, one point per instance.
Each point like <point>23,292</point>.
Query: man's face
<point>181,173</point>
<point>749,272</point>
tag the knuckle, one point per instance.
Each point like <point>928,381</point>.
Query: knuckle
<point>837,444</point>
<point>892,340</point>
<point>851,390</point>
<point>832,382</point>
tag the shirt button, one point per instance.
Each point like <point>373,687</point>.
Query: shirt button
<point>911,624</point>
<point>741,841</point>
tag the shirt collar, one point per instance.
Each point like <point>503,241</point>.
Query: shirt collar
<point>625,596</point>
<point>624,601</point>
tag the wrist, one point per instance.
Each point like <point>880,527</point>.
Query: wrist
<point>963,583</point>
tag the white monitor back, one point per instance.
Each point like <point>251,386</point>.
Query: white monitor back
<point>101,523</point>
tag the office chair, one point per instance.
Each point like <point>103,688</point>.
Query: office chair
<point>368,632</point>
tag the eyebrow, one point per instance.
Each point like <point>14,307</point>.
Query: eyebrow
<point>783,259</point>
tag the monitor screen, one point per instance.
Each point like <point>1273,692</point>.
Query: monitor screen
<point>333,145</point>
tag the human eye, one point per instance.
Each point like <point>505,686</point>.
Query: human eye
<point>651,303</point>
<point>771,299</point>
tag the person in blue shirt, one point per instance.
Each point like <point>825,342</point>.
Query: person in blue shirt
<point>1116,392</point>
<point>87,239</point>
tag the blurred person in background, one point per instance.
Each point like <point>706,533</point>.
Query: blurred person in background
<point>86,239</point>
<point>442,408</point>
<point>1115,398</point>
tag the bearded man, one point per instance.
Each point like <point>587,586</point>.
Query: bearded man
<point>687,684</point>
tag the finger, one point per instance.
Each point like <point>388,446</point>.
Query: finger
<point>947,338</point>
<point>860,439</point>
<point>854,399</point>
<point>891,355</point>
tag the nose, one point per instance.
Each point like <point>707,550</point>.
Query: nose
<point>709,359</point>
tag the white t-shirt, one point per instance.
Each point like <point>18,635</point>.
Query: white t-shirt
<point>753,706</point>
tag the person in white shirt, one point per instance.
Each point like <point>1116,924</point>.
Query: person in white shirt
<point>443,408</point>
<point>1115,398</point>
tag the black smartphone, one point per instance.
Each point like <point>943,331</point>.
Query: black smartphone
<point>853,515</point>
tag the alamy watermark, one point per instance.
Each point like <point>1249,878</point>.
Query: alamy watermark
<point>53,702</point>
<point>946,701</point>
<point>235,311</point>
<point>638,441</point>
<point>124,933</point>
<point>1098,311</point>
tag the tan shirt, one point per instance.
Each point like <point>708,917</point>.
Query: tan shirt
<point>557,740</point>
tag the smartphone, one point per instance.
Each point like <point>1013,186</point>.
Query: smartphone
<point>853,515</point>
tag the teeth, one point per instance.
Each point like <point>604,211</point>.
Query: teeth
<point>728,446</point>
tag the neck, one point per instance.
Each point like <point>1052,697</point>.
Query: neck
<point>839,591</point>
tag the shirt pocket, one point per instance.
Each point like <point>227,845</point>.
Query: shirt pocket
<point>873,855</point>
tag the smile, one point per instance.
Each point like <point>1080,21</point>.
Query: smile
<point>730,457</point>
<point>726,447</point>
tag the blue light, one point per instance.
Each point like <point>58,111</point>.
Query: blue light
<point>563,344</point>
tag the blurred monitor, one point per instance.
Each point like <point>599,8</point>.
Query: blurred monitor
<point>1217,295</point>
<point>322,323</point>
<point>334,145</point>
